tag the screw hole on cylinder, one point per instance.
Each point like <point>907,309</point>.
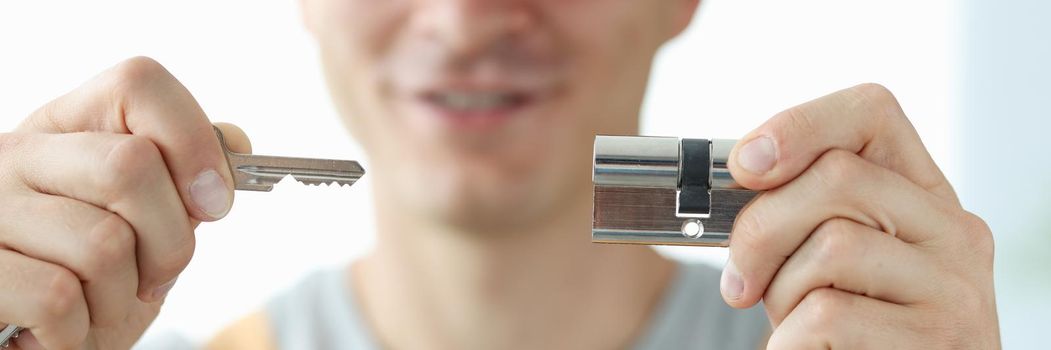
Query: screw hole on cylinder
<point>692,228</point>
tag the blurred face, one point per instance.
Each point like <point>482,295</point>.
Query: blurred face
<point>481,113</point>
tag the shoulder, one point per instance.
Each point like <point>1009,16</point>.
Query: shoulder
<point>288,319</point>
<point>319,312</point>
<point>250,332</point>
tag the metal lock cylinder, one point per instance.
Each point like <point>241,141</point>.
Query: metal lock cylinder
<point>664,190</point>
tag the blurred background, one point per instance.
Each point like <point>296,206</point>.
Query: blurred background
<point>972,75</point>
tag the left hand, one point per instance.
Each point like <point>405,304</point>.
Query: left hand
<point>860,242</point>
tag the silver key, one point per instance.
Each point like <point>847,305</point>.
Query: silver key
<point>9,332</point>
<point>260,173</point>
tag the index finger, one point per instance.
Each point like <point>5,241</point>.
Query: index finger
<point>140,97</point>
<point>865,119</point>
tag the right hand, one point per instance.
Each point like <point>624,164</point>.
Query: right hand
<point>102,189</point>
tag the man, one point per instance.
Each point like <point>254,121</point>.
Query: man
<point>478,117</point>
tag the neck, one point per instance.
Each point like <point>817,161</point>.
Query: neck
<point>550,287</point>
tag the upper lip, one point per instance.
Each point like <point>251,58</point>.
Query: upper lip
<point>471,86</point>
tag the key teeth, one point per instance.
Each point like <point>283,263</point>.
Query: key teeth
<point>333,183</point>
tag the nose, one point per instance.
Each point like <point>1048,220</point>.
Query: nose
<point>469,26</point>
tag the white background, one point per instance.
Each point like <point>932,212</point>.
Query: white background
<point>969,74</point>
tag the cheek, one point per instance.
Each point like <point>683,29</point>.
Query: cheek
<point>353,36</point>
<point>363,26</point>
<point>612,43</point>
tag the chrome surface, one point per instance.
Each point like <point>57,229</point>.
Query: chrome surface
<point>260,173</point>
<point>647,216</point>
<point>637,161</point>
<point>720,171</point>
<point>9,332</point>
<point>638,205</point>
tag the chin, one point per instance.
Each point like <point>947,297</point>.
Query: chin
<point>488,201</point>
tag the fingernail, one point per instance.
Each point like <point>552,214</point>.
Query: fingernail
<point>210,194</point>
<point>730,284</point>
<point>161,292</point>
<point>758,156</point>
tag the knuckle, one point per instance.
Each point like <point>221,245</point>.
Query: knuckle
<point>874,91</point>
<point>127,165</point>
<point>173,261</point>
<point>109,242</point>
<point>832,241</point>
<point>61,297</point>
<point>134,74</point>
<point>823,308</point>
<point>748,231</point>
<point>877,98</point>
<point>978,232</point>
<point>836,170</point>
<point>973,242</point>
<point>169,263</point>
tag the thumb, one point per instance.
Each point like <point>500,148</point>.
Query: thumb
<point>236,141</point>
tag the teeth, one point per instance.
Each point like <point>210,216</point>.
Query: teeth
<point>473,100</point>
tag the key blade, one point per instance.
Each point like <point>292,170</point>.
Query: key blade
<point>260,173</point>
<point>9,332</point>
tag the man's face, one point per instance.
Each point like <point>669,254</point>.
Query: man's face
<point>481,114</point>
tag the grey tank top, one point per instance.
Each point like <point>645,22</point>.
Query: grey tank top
<point>320,313</point>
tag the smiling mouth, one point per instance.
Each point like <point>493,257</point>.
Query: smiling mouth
<point>477,110</point>
<point>476,103</point>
